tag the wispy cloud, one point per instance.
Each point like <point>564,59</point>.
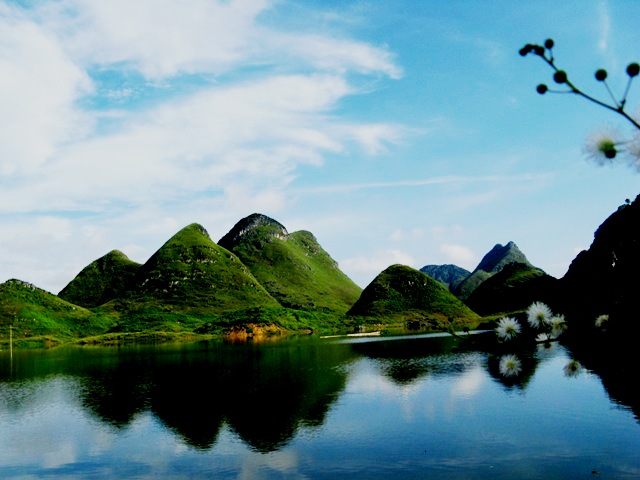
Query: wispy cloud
<point>38,87</point>
<point>159,38</point>
<point>459,255</point>
<point>604,16</point>
<point>376,263</point>
<point>121,111</point>
<point>424,182</point>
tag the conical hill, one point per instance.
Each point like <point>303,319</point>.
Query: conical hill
<point>292,267</point>
<point>191,270</point>
<point>33,313</point>
<point>102,280</point>
<point>449,275</point>
<point>513,288</point>
<point>405,293</point>
<point>491,263</point>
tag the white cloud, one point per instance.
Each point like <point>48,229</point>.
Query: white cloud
<point>604,17</point>
<point>251,134</point>
<point>95,175</point>
<point>459,255</point>
<point>160,37</point>
<point>339,55</point>
<point>39,86</point>
<point>400,235</point>
<point>374,137</point>
<point>362,269</point>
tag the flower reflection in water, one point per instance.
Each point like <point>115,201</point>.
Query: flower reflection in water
<point>602,320</point>
<point>572,369</point>
<point>510,365</point>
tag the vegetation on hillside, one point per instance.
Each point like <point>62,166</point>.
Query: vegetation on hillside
<point>403,294</point>
<point>34,316</point>
<point>513,289</point>
<point>293,268</point>
<point>104,279</point>
<point>192,271</point>
<point>494,261</point>
<point>191,285</point>
<point>269,282</point>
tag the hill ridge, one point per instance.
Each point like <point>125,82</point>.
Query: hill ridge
<point>402,291</point>
<point>292,267</point>
<point>191,269</point>
<point>494,261</point>
<point>248,226</point>
<point>102,280</point>
<point>448,274</point>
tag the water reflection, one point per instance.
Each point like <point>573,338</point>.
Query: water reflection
<point>411,407</point>
<point>263,393</point>
<point>406,360</point>
<point>617,367</point>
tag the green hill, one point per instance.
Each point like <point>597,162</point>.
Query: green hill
<point>403,293</point>
<point>102,280</point>
<point>491,263</point>
<point>293,268</point>
<point>449,275</point>
<point>35,314</point>
<point>513,288</point>
<point>191,270</point>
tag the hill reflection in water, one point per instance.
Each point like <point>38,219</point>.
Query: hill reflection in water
<point>336,407</point>
<point>264,393</point>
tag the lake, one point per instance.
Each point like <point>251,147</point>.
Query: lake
<point>399,407</point>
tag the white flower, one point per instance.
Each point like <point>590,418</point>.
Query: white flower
<point>601,146</point>
<point>572,368</point>
<point>607,144</point>
<point>633,149</point>
<point>507,328</point>
<point>510,366</point>
<point>558,325</point>
<point>544,337</point>
<point>538,314</point>
<point>601,320</point>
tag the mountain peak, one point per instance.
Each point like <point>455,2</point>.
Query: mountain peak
<point>102,280</point>
<point>292,267</point>
<point>499,256</point>
<point>493,262</point>
<point>191,270</point>
<point>449,275</point>
<point>250,225</point>
<point>193,233</point>
<point>403,292</point>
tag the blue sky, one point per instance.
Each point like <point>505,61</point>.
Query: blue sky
<point>396,131</point>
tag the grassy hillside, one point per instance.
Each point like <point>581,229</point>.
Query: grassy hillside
<point>405,294</point>
<point>36,315</point>
<point>293,268</point>
<point>102,280</point>
<point>493,262</point>
<point>512,289</point>
<point>191,270</point>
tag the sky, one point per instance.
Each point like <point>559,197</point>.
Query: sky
<point>396,131</point>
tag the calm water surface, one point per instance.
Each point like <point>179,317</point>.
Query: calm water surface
<point>364,408</point>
